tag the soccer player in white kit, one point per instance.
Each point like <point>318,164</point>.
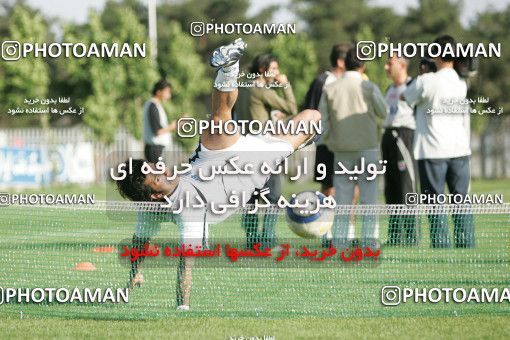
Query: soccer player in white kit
<point>214,149</point>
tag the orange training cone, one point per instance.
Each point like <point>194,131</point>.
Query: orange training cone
<point>85,266</point>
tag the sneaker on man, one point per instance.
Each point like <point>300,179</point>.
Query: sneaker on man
<point>228,55</point>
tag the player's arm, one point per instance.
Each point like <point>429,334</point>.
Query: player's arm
<point>222,104</point>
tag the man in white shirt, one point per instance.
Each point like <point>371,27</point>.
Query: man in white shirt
<point>441,143</point>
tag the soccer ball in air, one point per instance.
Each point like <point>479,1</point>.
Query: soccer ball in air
<point>303,221</point>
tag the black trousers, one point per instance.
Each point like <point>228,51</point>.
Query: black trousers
<point>400,176</point>
<point>152,152</point>
<point>326,157</point>
<point>399,179</point>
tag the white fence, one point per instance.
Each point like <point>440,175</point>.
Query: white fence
<point>104,156</point>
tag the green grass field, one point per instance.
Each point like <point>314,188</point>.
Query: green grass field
<point>481,327</point>
<point>40,247</point>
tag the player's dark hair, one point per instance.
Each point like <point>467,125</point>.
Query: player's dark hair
<point>442,41</point>
<point>132,186</point>
<point>160,85</point>
<point>262,61</point>
<point>352,62</point>
<point>338,51</point>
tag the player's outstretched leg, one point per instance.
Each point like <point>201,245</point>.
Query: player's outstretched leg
<point>135,276</point>
<point>224,95</point>
<point>227,55</point>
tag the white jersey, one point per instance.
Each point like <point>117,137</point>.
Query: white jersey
<point>400,114</point>
<point>193,222</point>
<point>441,134</point>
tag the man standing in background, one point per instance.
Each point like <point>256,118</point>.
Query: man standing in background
<point>351,107</point>
<point>261,102</point>
<point>156,129</point>
<point>397,150</point>
<point>312,100</point>
<point>442,143</point>
<point>313,96</point>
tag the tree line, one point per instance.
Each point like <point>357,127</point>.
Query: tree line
<point>113,90</point>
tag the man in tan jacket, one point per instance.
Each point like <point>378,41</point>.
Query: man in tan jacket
<point>351,108</point>
<point>261,102</point>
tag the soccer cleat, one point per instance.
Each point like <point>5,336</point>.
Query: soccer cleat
<point>183,307</point>
<point>228,55</point>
